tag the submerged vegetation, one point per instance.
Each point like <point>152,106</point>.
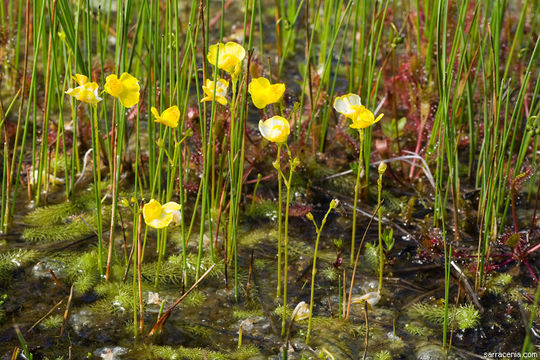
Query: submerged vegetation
<point>217,179</point>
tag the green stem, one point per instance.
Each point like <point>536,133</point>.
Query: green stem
<point>357,187</point>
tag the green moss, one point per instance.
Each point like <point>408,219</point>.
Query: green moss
<point>194,299</point>
<point>10,261</point>
<point>371,256</point>
<point>278,311</point>
<point>60,212</point>
<point>415,329</point>
<point>255,237</point>
<point>244,314</point>
<point>181,353</point>
<point>52,322</point>
<point>265,209</point>
<point>383,355</point>
<point>82,270</point>
<point>245,352</point>
<point>329,273</point>
<point>466,316</point>
<point>75,227</point>
<point>497,284</point>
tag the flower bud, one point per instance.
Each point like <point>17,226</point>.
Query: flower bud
<point>382,168</point>
<point>301,311</point>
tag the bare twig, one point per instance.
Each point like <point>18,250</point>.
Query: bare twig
<point>165,316</point>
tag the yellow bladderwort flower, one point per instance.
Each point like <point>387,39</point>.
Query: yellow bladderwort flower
<point>229,58</point>
<point>221,87</point>
<point>86,91</point>
<point>126,89</point>
<point>263,93</point>
<point>159,216</point>
<point>351,106</point>
<point>275,129</point>
<point>168,117</point>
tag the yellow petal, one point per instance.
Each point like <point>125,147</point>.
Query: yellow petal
<point>235,50</point>
<point>363,118</point>
<point>154,112</point>
<point>169,117</point>
<point>113,86</point>
<point>263,93</point>
<point>80,79</point>
<point>171,207</point>
<point>131,90</point>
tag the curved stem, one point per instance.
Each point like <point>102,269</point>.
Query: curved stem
<point>357,187</point>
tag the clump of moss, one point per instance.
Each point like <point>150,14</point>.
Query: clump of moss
<point>244,314</point>
<point>184,353</point>
<point>194,299</point>
<point>415,329</point>
<point>371,256</point>
<point>117,298</point>
<point>265,209</point>
<point>467,316</point>
<point>497,284</point>
<point>151,352</point>
<point>82,271</point>
<point>12,260</point>
<point>71,228</point>
<point>329,273</point>
<point>59,212</point>
<point>255,237</point>
<point>383,355</point>
<point>278,311</point>
<point>52,322</point>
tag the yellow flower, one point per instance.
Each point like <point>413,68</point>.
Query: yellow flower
<point>168,117</point>
<point>86,91</point>
<point>275,129</point>
<point>229,58</point>
<point>159,216</point>
<point>350,106</point>
<point>264,93</point>
<point>221,91</point>
<point>126,88</point>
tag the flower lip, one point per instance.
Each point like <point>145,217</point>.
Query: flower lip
<point>228,56</point>
<point>264,93</point>
<point>126,89</point>
<point>86,91</point>
<point>220,88</point>
<point>351,107</point>
<point>168,117</point>
<point>159,216</point>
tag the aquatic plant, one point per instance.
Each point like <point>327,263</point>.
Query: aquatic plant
<point>382,355</point>
<point>12,260</point>
<point>318,229</point>
<point>381,170</point>
<point>351,107</point>
<point>467,316</point>
<point>160,216</point>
